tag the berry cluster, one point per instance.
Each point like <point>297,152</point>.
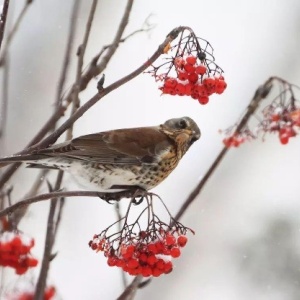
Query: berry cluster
<point>140,256</point>
<point>233,141</point>
<point>234,138</point>
<point>284,120</point>
<point>15,251</point>
<point>193,79</point>
<point>141,249</point>
<point>29,294</point>
<point>188,68</point>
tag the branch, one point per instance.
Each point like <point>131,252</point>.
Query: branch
<point>59,194</point>
<point>66,61</point>
<point>15,28</point>
<point>95,69</point>
<point>130,291</point>
<point>3,18</point>
<point>260,94</point>
<point>49,241</point>
<point>4,98</point>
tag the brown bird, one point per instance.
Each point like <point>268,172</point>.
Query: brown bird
<point>117,160</point>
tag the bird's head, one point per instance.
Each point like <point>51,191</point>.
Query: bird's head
<point>183,130</point>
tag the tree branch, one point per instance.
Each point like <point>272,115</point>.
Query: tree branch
<point>260,94</point>
<point>49,242</point>
<point>3,18</point>
<point>117,196</point>
<point>13,31</point>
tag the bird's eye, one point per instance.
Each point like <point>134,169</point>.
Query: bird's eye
<point>182,124</point>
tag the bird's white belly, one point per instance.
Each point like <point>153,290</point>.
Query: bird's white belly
<point>101,179</point>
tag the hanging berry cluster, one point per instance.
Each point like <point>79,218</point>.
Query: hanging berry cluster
<point>15,251</point>
<point>282,117</point>
<point>142,252</point>
<point>235,139</point>
<point>189,69</point>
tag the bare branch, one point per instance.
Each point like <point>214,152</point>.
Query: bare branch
<point>59,194</point>
<point>95,69</point>
<point>66,61</point>
<point>13,31</point>
<point>145,28</point>
<point>49,241</point>
<point>4,98</point>
<point>260,94</point>
<point>130,291</point>
<point>3,18</point>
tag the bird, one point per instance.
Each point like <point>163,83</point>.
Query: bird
<point>119,159</point>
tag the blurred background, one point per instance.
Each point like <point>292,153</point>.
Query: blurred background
<point>247,242</point>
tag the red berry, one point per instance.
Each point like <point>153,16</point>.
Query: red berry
<point>170,82</point>
<point>152,248</point>
<point>193,78</point>
<point>170,240</point>
<point>203,100</point>
<point>182,76</point>
<point>188,89</point>
<point>189,68</point>
<point>159,247</point>
<point>200,70</point>
<point>191,59</point>
<point>151,260</point>
<point>275,117</point>
<point>143,257</point>
<point>160,264</point>
<point>284,139</point>
<point>112,261</point>
<point>132,263</point>
<point>156,272</point>
<point>168,267</point>
<point>182,240</point>
<point>220,86</point>
<point>49,293</point>
<point>31,262</point>
<point>146,271</point>
<point>175,252</point>
<point>180,89</point>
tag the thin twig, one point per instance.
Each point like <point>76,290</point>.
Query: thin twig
<point>59,215</point>
<point>260,94</point>
<point>13,31</point>
<point>49,241</point>
<point>4,100</point>
<point>3,18</point>
<point>95,69</point>
<point>144,28</point>
<point>66,61</point>
<point>82,47</point>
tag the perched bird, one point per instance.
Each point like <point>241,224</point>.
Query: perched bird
<point>117,160</point>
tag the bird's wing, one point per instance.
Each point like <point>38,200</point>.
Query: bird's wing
<point>122,146</point>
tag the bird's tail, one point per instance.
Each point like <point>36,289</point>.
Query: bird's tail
<point>20,158</point>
